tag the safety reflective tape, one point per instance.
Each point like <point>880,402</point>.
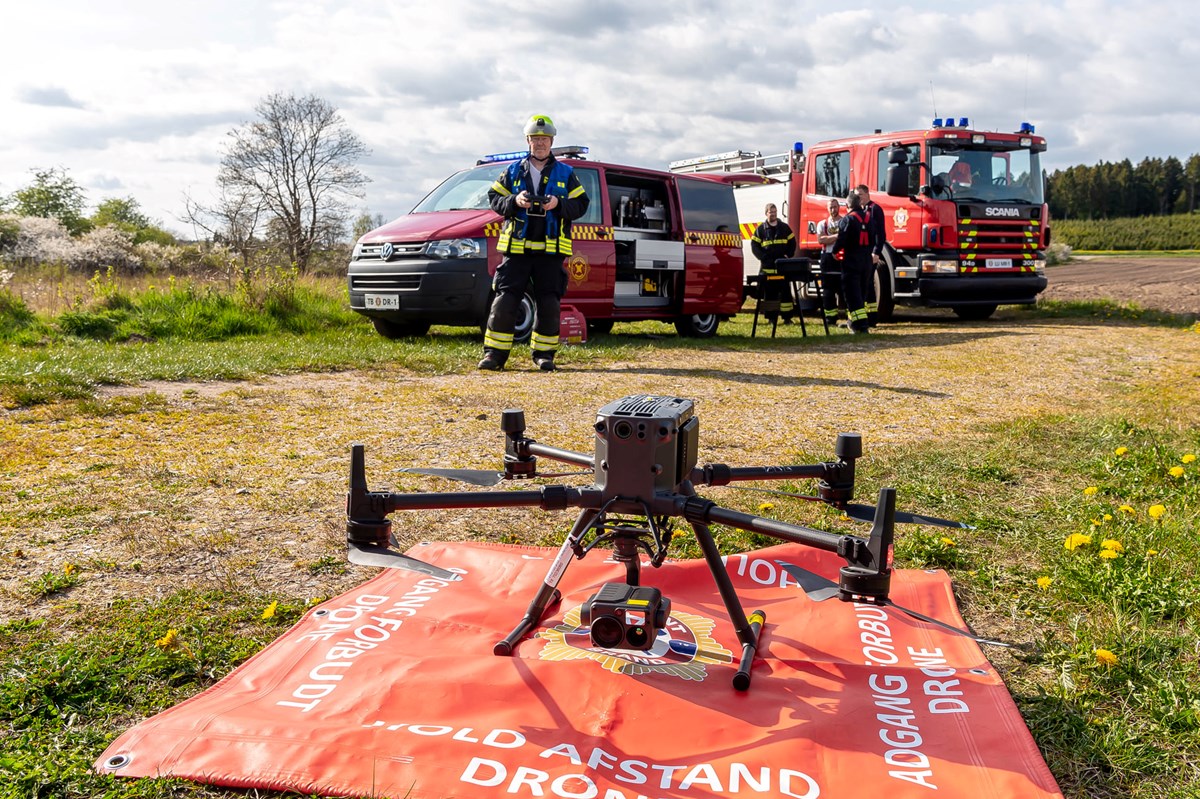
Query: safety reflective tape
<point>500,188</point>
<point>497,341</point>
<point>748,229</point>
<point>711,239</point>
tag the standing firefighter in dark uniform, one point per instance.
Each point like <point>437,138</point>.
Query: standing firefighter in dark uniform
<point>538,197</point>
<point>876,231</point>
<point>854,242</point>
<point>772,240</point>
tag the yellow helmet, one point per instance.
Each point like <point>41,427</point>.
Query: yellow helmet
<point>540,125</point>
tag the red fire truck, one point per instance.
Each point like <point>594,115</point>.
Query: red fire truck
<point>653,245</point>
<point>965,212</point>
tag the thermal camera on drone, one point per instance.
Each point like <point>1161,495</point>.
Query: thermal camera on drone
<point>645,476</point>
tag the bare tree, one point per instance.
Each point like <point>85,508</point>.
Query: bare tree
<point>233,221</point>
<point>298,160</point>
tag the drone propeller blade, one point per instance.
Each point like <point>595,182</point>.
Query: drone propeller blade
<point>370,555</point>
<point>476,477</point>
<point>817,587</point>
<point>866,513</point>
<point>948,627</point>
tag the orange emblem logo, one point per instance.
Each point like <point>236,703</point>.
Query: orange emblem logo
<point>578,268</point>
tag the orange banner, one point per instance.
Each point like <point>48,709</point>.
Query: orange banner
<point>392,690</point>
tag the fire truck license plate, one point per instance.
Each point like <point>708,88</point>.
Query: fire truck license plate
<point>999,263</point>
<point>382,302</point>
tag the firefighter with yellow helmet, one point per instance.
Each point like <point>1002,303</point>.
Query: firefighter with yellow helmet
<point>538,197</point>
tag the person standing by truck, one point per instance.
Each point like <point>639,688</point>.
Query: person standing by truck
<point>772,240</point>
<point>875,230</point>
<point>854,242</point>
<point>538,197</point>
<point>831,270</point>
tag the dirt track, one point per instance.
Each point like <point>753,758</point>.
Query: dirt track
<point>1162,284</point>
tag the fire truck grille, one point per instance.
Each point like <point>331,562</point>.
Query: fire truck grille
<point>982,239</point>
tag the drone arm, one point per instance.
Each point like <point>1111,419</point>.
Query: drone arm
<point>718,474</point>
<point>563,455</point>
<point>699,510</point>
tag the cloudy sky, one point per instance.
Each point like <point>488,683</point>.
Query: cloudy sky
<point>136,98</point>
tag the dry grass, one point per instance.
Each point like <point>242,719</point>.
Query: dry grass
<point>151,489</point>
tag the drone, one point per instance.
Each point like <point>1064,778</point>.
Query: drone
<point>645,474</point>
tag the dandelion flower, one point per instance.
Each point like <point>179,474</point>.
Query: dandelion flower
<point>1127,509</point>
<point>947,542</point>
<point>1089,491</point>
<point>1121,450</point>
<point>269,613</point>
<point>1105,658</point>
<point>1044,583</point>
<point>1109,554</point>
<point>766,506</point>
<point>1188,458</point>
<point>167,642</point>
<point>1076,540</point>
<point>1176,471</point>
<point>70,569</point>
<point>1151,552</point>
<point>1156,511</point>
<point>1108,517</point>
<point>1113,544</point>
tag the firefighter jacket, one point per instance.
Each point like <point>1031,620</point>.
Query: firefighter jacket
<point>854,240</point>
<point>770,243</point>
<point>875,229</point>
<point>537,231</point>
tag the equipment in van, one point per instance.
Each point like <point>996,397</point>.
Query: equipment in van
<point>644,477</point>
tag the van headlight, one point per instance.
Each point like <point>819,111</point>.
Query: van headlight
<point>357,253</point>
<point>456,248</point>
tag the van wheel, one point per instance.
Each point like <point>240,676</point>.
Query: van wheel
<point>389,329</point>
<point>600,326</point>
<point>973,313</point>
<point>526,318</point>
<point>701,325</point>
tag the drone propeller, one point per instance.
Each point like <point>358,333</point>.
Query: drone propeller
<point>821,588</point>
<point>865,513</point>
<point>379,556</point>
<point>482,477</point>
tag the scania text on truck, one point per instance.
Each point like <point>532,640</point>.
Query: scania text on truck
<point>964,210</point>
<point>653,245</point>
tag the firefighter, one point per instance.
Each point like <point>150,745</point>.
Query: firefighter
<point>878,238</point>
<point>538,197</point>
<point>772,240</point>
<point>854,242</point>
<point>831,269</point>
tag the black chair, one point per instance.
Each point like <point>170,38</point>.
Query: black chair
<point>761,287</point>
<point>805,286</point>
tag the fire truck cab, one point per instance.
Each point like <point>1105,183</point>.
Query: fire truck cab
<point>964,210</point>
<point>652,245</point>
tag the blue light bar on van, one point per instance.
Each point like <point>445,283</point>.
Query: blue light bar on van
<point>963,122</point>
<point>1026,128</point>
<point>513,156</point>
<point>937,122</point>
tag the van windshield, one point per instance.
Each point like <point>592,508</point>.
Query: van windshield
<point>466,190</point>
<point>992,174</point>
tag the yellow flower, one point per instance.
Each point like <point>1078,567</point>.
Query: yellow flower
<point>1188,458</point>
<point>766,506</point>
<point>1096,522</point>
<point>1176,471</point>
<point>269,613</point>
<point>1151,552</point>
<point>1109,554</point>
<point>1156,511</point>
<point>70,569</point>
<point>947,542</point>
<point>1076,540</point>
<point>1044,583</point>
<point>1087,492</point>
<point>1108,517</point>
<point>167,642</point>
<point>1127,509</point>
<point>1113,544</point>
<point>1121,450</point>
<point>1105,658</point>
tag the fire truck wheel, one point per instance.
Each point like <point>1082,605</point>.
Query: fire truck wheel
<point>703,325</point>
<point>883,291</point>
<point>390,329</point>
<point>973,313</point>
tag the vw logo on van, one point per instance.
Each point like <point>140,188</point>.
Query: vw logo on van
<point>387,251</point>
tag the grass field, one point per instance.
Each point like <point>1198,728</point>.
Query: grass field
<point>154,537</point>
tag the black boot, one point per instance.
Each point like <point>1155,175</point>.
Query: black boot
<point>493,360</point>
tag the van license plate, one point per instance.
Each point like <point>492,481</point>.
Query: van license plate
<point>382,302</point>
<point>999,263</point>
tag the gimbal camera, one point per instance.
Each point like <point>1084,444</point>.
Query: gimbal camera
<point>645,475</point>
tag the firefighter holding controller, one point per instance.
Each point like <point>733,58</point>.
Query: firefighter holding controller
<point>538,197</point>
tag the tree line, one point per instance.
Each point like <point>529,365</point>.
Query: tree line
<point>1154,187</point>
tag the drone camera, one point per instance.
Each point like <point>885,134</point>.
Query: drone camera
<point>624,616</point>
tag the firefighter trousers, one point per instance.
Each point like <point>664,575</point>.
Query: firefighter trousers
<point>513,278</point>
